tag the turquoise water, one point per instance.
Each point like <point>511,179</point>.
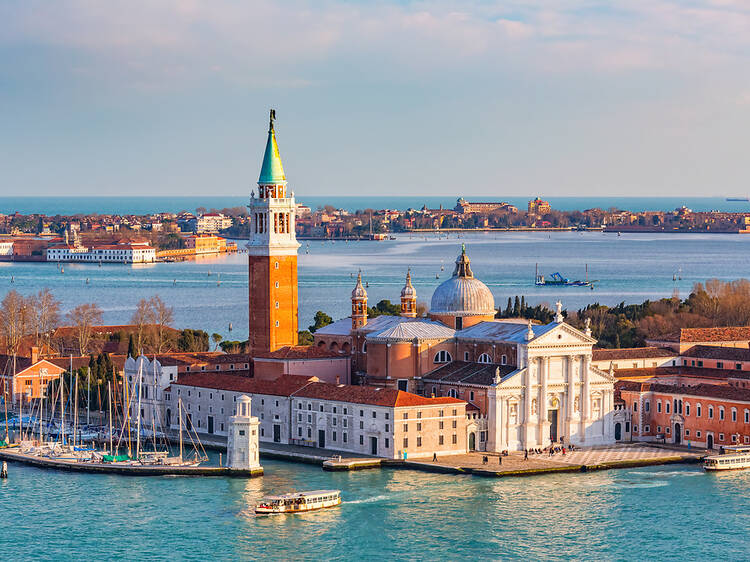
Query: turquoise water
<point>660,513</point>
<point>146,205</point>
<point>629,268</point>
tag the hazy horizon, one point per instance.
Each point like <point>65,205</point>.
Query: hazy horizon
<point>559,98</point>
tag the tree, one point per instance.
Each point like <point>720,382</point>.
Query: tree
<point>321,320</point>
<point>141,318</point>
<point>216,338</point>
<point>46,315</point>
<point>305,338</point>
<point>15,320</point>
<point>509,309</point>
<point>516,307</point>
<point>83,318</point>
<point>162,316</point>
<point>131,346</point>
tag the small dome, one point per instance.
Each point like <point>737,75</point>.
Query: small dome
<point>408,292</point>
<point>359,291</point>
<point>462,294</point>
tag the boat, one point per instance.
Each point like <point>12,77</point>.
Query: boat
<point>732,458</point>
<point>558,280</point>
<point>299,502</point>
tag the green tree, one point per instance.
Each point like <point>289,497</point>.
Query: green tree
<point>131,346</point>
<point>216,338</point>
<point>321,320</point>
<point>305,337</point>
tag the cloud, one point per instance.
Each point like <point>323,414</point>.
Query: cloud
<point>261,41</point>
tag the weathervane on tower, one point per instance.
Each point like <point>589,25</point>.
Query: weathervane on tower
<point>271,119</point>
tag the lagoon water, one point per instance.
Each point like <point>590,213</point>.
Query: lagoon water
<point>629,268</point>
<point>656,513</point>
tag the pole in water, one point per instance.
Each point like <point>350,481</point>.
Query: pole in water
<point>4,470</point>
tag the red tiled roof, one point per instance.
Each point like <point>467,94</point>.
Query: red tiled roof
<point>718,352</point>
<point>719,374</point>
<point>725,392</point>
<point>631,353</point>
<point>370,395</point>
<point>285,385</point>
<point>696,335</point>
<point>299,352</point>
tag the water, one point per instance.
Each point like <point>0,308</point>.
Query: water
<point>661,513</point>
<point>146,205</point>
<point>630,268</point>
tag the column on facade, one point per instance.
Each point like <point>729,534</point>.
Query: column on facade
<point>571,395</point>
<point>495,412</point>
<point>506,423</point>
<point>585,396</point>
<point>527,407</point>
<point>541,403</point>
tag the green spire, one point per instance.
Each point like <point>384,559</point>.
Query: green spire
<point>272,171</point>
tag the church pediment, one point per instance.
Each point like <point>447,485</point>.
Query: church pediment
<point>561,334</point>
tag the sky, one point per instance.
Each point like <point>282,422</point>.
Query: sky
<point>473,97</point>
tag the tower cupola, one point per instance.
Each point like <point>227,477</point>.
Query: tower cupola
<point>408,298</point>
<point>359,304</point>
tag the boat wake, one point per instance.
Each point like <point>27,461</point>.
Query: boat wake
<point>368,500</point>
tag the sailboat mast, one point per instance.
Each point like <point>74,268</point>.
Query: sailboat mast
<point>88,399</point>
<point>109,393</point>
<point>126,408</point>
<point>179,413</point>
<point>75,413</point>
<point>138,423</point>
<point>62,410</point>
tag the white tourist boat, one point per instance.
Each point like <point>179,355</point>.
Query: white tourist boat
<point>734,458</point>
<point>299,502</point>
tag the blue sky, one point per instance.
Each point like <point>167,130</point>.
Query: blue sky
<point>557,97</point>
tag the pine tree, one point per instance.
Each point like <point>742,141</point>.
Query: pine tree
<point>523,307</point>
<point>131,347</point>
<point>508,309</point>
<point>516,307</point>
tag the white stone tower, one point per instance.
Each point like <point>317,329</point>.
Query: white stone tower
<point>242,446</point>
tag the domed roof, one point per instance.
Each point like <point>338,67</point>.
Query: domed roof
<point>408,292</point>
<point>359,291</point>
<point>462,294</point>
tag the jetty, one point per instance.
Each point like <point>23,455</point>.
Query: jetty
<point>11,455</point>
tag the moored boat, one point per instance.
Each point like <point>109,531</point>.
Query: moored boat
<point>733,458</point>
<point>299,502</point>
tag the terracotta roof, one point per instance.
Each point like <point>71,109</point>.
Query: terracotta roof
<point>705,390</point>
<point>719,374</point>
<point>464,372</point>
<point>718,352</point>
<point>631,353</point>
<point>696,335</point>
<point>389,397</point>
<point>6,364</point>
<point>299,352</point>
<point>285,385</point>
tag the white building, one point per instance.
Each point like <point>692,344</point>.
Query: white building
<point>212,223</point>
<point>128,252</point>
<point>6,250</point>
<point>303,411</point>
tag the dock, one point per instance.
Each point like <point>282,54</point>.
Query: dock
<point>126,470</point>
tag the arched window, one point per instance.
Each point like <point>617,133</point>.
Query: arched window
<point>443,356</point>
<point>734,414</point>
<point>484,358</point>
<point>504,360</point>
<point>453,393</point>
<point>364,347</point>
<point>710,412</point>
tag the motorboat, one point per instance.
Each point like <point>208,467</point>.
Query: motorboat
<point>299,502</point>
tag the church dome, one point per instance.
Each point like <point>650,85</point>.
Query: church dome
<point>462,294</point>
<point>408,292</point>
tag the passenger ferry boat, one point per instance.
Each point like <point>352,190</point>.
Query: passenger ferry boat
<point>734,458</point>
<point>299,502</point>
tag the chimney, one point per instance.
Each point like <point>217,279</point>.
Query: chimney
<point>34,354</point>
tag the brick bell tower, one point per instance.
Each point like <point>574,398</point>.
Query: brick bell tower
<point>272,256</point>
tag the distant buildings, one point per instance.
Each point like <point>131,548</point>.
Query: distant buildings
<point>212,223</point>
<point>539,207</point>
<point>124,252</point>
<point>465,207</point>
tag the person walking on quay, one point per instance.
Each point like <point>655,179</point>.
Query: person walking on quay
<point>434,457</point>
<point>525,454</point>
<point>563,450</point>
<point>500,459</point>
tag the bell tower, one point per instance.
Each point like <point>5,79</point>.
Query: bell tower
<point>359,304</point>
<point>408,298</point>
<point>272,256</point>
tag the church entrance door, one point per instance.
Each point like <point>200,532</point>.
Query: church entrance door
<point>472,441</point>
<point>618,431</point>
<point>552,419</point>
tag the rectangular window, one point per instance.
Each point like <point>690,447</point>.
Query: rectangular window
<point>406,415</point>
<point>334,436</point>
<point>345,437</point>
<point>658,406</point>
<point>387,427</point>
<point>406,428</point>
<point>454,438</point>
<point>406,442</point>
<point>374,415</point>
<point>698,411</point>
<point>440,440</point>
<point>721,437</point>
<point>419,441</point>
<point>387,442</point>
<point>419,427</point>
<point>719,365</point>
<point>441,425</point>
<point>647,406</point>
<point>361,439</point>
<point>734,415</point>
<point>361,425</point>
<point>455,424</point>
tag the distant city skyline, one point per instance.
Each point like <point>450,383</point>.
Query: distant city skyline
<point>490,99</point>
